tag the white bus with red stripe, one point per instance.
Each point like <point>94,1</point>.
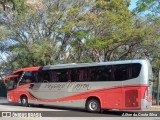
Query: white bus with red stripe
<point>123,85</point>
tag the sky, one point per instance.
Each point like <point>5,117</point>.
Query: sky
<point>132,4</point>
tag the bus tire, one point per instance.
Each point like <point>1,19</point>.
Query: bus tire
<point>24,101</point>
<point>93,105</point>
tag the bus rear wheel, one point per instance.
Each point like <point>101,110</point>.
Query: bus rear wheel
<point>93,105</point>
<point>24,101</point>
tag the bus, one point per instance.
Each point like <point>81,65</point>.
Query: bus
<point>123,85</point>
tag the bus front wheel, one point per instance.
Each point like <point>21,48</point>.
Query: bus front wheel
<point>24,101</point>
<point>93,105</point>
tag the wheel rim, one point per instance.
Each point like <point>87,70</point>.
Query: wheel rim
<point>93,106</point>
<point>23,101</point>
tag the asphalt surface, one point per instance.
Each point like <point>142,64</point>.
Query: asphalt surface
<point>35,112</point>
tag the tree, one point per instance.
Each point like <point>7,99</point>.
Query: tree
<point>108,25</point>
<point>148,5</point>
<point>5,4</point>
<point>34,35</point>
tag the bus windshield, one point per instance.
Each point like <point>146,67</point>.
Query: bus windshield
<point>11,83</point>
<point>28,77</point>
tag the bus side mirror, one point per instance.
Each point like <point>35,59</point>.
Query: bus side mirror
<point>151,80</point>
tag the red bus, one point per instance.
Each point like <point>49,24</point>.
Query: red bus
<point>123,85</point>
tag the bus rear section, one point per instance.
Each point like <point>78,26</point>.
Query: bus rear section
<point>137,92</point>
<point>146,100</point>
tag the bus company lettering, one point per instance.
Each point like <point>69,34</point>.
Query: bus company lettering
<point>61,86</point>
<point>78,86</point>
<point>56,86</point>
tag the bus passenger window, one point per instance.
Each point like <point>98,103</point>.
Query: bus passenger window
<point>68,75</point>
<point>107,76</point>
<point>126,71</point>
<point>120,72</point>
<point>35,77</point>
<point>46,77</point>
<point>54,77</point>
<point>82,75</point>
<point>136,67</point>
<point>74,75</point>
<point>62,76</point>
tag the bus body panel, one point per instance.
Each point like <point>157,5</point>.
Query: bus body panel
<point>111,98</point>
<point>59,90</point>
<point>14,95</point>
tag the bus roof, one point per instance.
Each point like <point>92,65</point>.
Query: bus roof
<point>77,65</point>
<point>27,69</point>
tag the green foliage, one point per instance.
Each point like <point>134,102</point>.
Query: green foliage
<point>112,26</point>
<point>148,5</point>
<point>150,10</point>
<point>2,83</point>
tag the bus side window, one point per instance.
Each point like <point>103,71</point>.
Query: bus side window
<point>62,76</point>
<point>74,75</point>
<point>98,75</point>
<point>83,75</point>
<point>120,72</point>
<point>53,76</point>
<point>107,76</point>
<point>40,77</point>
<point>125,71</point>
<point>136,67</point>
<point>46,77</point>
<point>35,77</point>
<point>68,75</point>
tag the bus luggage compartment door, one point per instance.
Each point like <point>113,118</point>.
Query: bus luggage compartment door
<point>131,99</point>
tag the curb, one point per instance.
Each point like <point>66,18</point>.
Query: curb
<point>155,107</point>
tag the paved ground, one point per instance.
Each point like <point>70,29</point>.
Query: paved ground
<point>59,112</point>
